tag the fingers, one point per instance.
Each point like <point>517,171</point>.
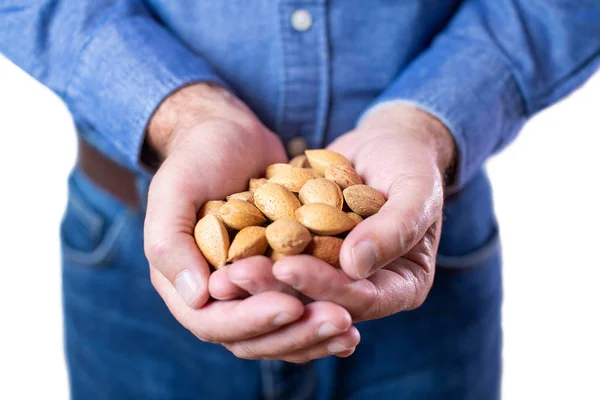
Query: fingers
<point>255,275</point>
<point>320,321</point>
<point>168,241</point>
<point>413,205</point>
<point>222,288</point>
<point>320,281</point>
<point>234,320</point>
<point>341,346</point>
<point>401,285</point>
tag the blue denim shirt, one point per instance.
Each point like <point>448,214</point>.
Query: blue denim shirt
<point>481,66</point>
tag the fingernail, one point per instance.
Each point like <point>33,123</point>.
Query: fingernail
<point>327,330</point>
<point>364,258</point>
<point>336,347</point>
<point>187,286</point>
<point>282,319</point>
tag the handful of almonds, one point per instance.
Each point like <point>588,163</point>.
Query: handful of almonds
<point>304,207</point>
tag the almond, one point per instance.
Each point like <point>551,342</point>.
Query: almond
<point>287,237</point>
<point>299,161</point>
<point>321,159</point>
<point>210,207</point>
<point>239,214</point>
<point>275,255</point>
<point>274,169</point>
<point>276,202</point>
<point>342,174</point>
<point>323,219</point>
<point>355,217</point>
<point>322,191</point>
<point>363,199</point>
<point>326,248</point>
<point>244,196</point>
<point>250,241</point>
<point>212,240</point>
<point>293,178</point>
<point>255,183</point>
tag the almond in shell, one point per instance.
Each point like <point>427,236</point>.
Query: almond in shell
<point>244,196</point>
<point>288,237</point>
<point>255,183</point>
<point>276,202</point>
<point>299,161</point>
<point>323,219</point>
<point>239,214</point>
<point>212,240</point>
<point>293,178</point>
<point>363,199</point>
<point>344,175</point>
<point>320,159</point>
<point>210,207</point>
<point>326,248</point>
<point>322,191</point>
<point>276,168</point>
<point>250,241</point>
<point>355,217</point>
<point>275,255</point>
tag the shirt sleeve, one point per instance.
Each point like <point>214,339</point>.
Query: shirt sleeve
<point>109,60</point>
<point>496,64</point>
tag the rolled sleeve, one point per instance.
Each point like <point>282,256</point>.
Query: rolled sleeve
<point>123,73</point>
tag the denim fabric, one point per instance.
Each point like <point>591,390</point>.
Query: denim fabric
<point>122,342</point>
<point>480,66</point>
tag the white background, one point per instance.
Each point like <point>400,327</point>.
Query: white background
<point>547,200</point>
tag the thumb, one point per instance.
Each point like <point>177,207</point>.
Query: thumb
<point>168,237</point>
<point>414,204</point>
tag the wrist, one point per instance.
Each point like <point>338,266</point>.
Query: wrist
<point>188,107</point>
<point>420,125</point>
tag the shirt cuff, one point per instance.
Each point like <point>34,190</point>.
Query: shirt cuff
<point>124,72</point>
<point>471,90</point>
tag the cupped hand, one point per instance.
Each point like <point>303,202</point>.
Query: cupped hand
<point>211,145</point>
<point>388,260</point>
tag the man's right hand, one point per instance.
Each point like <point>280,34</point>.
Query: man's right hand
<point>210,145</point>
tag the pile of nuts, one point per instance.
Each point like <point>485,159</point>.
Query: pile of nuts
<point>304,207</point>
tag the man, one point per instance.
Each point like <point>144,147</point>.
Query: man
<point>198,97</point>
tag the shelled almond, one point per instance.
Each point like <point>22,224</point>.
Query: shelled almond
<point>296,208</point>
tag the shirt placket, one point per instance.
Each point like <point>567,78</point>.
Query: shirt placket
<point>304,77</point>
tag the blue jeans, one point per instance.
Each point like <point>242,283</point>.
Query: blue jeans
<point>122,342</point>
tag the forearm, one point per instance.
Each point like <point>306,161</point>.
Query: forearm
<point>494,66</point>
<point>109,60</point>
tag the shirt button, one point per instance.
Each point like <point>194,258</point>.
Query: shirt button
<point>296,146</point>
<point>301,20</point>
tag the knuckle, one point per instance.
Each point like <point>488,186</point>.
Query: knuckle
<point>300,359</point>
<point>369,308</point>
<point>243,351</point>
<point>201,333</point>
<point>419,284</point>
<point>408,231</point>
<point>156,248</point>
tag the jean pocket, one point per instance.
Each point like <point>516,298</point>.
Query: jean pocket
<point>93,224</point>
<point>474,258</point>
